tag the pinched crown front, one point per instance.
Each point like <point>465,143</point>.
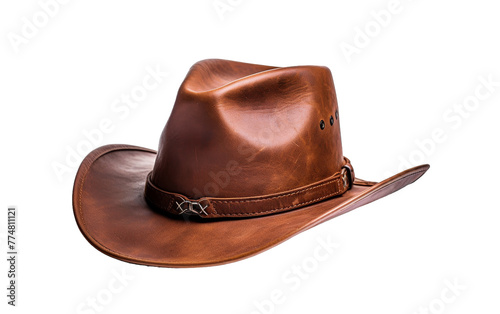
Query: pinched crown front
<point>242,130</point>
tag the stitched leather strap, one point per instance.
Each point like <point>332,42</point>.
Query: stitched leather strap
<point>214,207</point>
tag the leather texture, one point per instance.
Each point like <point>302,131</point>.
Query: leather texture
<point>250,156</point>
<point>259,124</point>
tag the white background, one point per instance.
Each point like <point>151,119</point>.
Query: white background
<point>405,82</point>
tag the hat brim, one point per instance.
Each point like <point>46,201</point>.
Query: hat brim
<point>112,214</point>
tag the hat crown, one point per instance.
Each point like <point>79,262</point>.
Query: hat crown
<point>239,130</point>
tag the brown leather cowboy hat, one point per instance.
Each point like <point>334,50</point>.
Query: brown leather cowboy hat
<point>250,156</point>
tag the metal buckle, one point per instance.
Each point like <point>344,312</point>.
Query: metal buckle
<point>191,207</point>
<point>344,177</point>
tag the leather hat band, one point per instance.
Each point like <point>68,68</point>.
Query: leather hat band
<point>214,207</point>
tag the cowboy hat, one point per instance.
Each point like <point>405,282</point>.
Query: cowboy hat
<point>250,156</point>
